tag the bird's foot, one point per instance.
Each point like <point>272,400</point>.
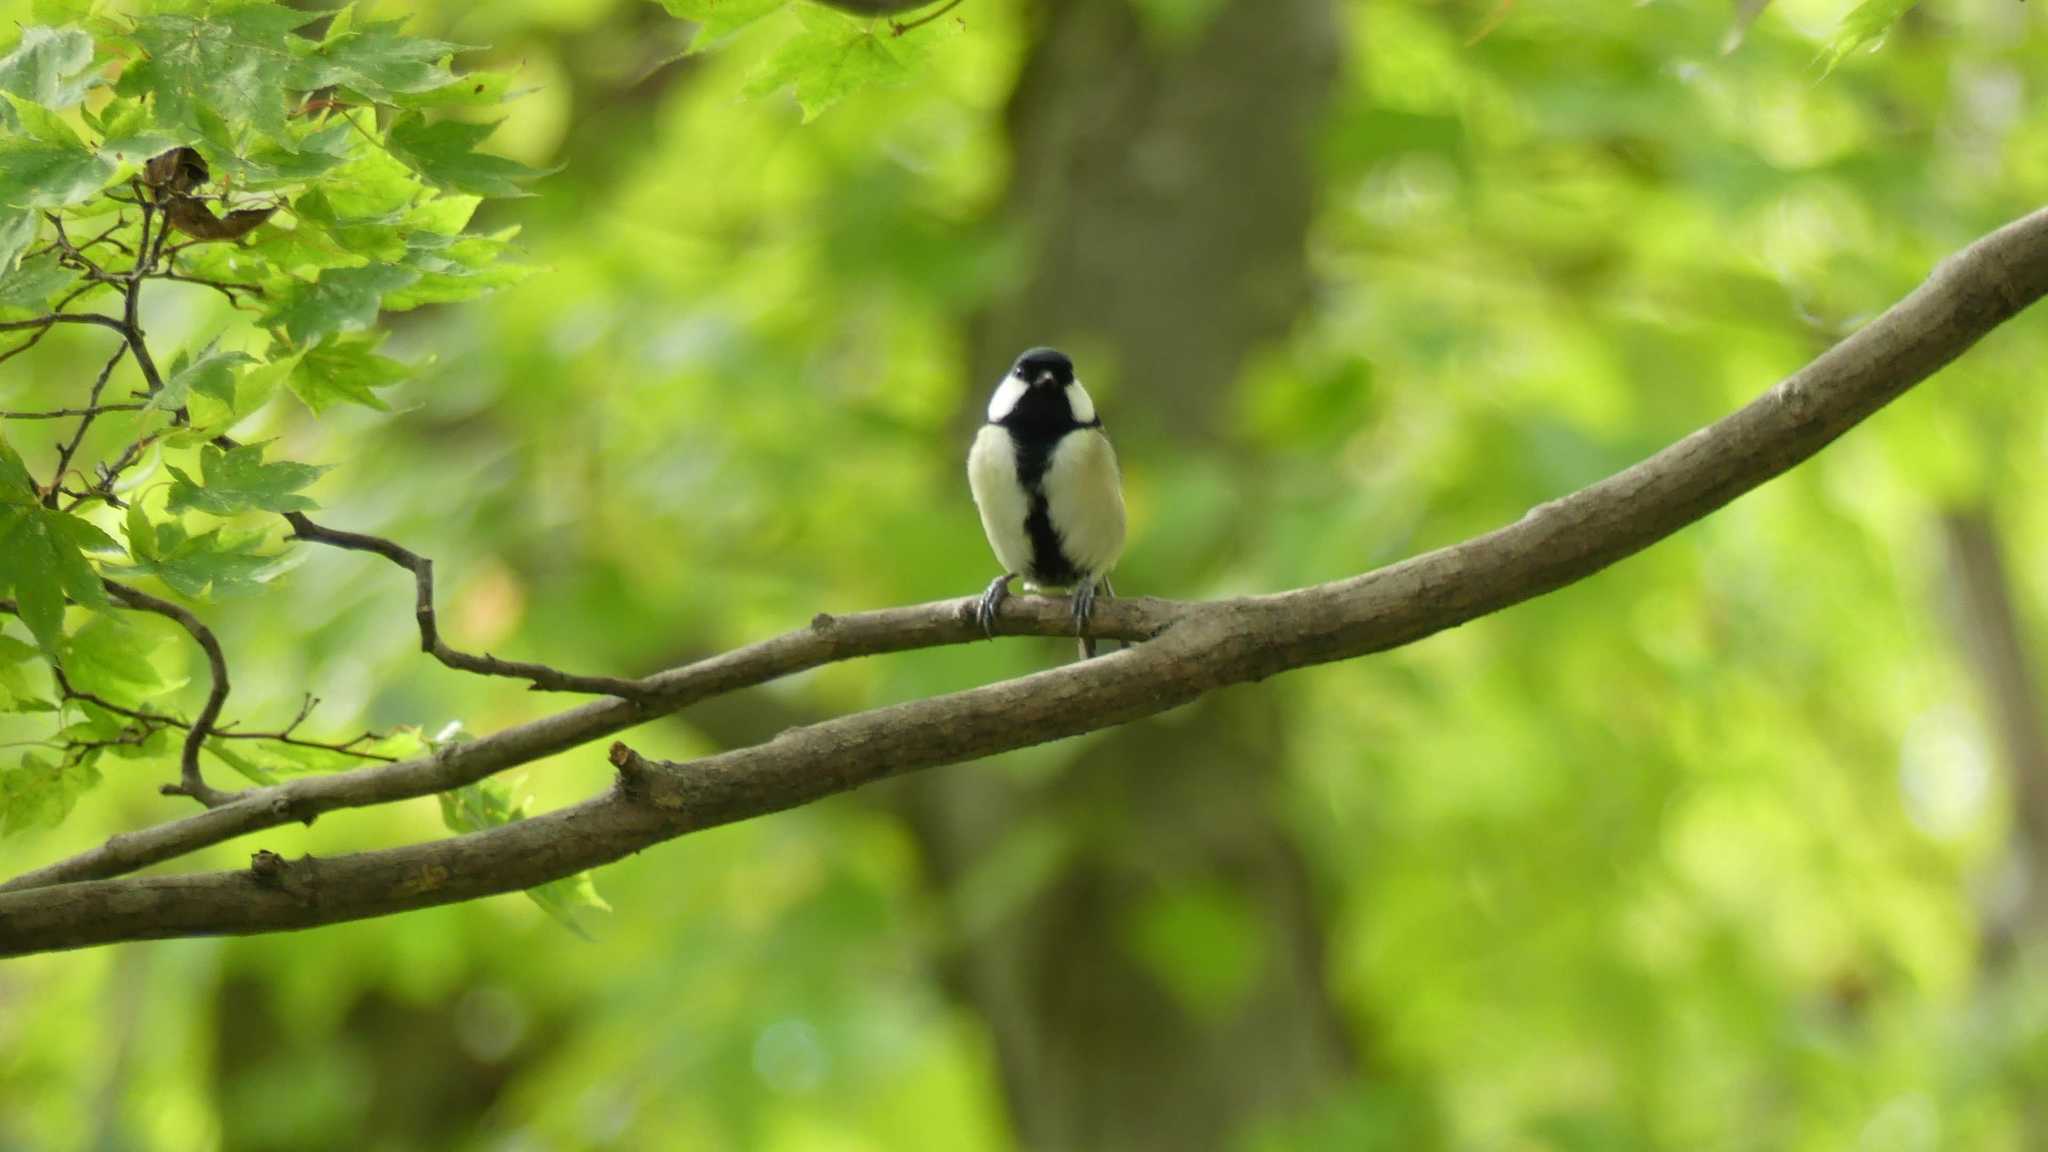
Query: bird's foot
<point>1084,608</point>
<point>992,602</point>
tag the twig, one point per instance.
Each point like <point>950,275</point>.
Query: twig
<point>131,307</point>
<point>44,330</point>
<point>62,413</point>
<point>190,782</point>
<point>38,322</point>
<point>284,735</point>
<point>899,27</point>
<point>540,676</point>
<point>224,287</point>
<point>91,411</point>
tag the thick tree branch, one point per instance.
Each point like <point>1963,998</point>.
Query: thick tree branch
<point>1202,647</point>
<point>828,640</point>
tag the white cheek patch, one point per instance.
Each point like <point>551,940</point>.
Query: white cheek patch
<point>1008,393</point>
<point>1079,404</point>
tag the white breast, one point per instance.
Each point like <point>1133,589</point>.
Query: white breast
<point>1004,505</point>
<point>1085,497</point>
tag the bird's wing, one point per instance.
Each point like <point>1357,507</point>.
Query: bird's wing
<point>1004,505</point>
<point>1086,499</point>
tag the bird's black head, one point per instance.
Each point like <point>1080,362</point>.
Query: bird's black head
<point>1044,368</point>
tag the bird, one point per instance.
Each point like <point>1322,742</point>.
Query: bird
<point>1045,480</point>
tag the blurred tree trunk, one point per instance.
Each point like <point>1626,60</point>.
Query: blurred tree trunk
<point>1140,932</point>
<point>1993,638</point>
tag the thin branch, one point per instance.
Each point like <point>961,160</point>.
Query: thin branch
<point>224,287</point>
<point>91,411</point>
<point>62,413</point>
<point>45,329</point>
<point>190,782</point>
<point>110,474</point>
<point>540,676</point>
<point>899,27</point>
<point>131,308</point>
<point>285,735</point>
<point>1202,647</point>
<point>106,237</point>
<point>39,322</point>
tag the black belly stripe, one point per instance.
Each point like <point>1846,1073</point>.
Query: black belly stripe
<point>1049,563</point>
<point>1036,426</point>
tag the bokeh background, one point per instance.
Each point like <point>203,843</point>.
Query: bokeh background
<point>1740,845</point>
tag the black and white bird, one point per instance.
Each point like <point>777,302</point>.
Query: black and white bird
<point>1045,479</point>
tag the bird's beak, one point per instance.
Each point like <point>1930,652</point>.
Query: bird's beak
<point>1045,378</point>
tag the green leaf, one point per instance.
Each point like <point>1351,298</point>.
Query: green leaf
<point>84,535</point>
<point>379,236</point>
<point>1866,25</point>
<point>16,486</point>
<point>17,692</point>
<point>140,532</point>
<point>41,791</point>
<point>35,284</point>
<point>833,56</point>
<point>377,61</point>
<point>345,370</point>
<point>220,73</point>
<point>567,898</point>
<point>469,90</point>
<point>28,568</point>
<point>211,375</point>
<point>239,480</point>
<point>341,300</point>
<point>109,658</point>
<point>717,19</point>
<point>17,232</point>
<point>51,66</point>
<point>129,131</point>
<point>445,153</point>
<point>42,554</point>
<point>42,562</point>
<point>489,804</point>
<point>212,563</point>
<point>45,165</point>
<point>314,150</point>
<point>455,268</point>
<point>241,760</point>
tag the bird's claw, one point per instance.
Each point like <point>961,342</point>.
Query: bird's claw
<point>991,602</point>
<point>1084,610</point>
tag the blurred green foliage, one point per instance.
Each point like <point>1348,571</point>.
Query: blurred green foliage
<point>1699,853</point>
